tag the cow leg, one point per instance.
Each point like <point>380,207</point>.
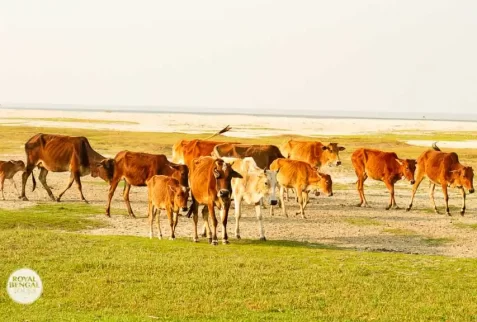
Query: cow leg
<point>432,187</point>
<point>15,185</point>
<point>462,210</point>
<point>25,175</point>
<point>150,217</point>
<point>284,211</point>
<point>127,188</point>
<point>170,214</point>
<point>157,213</point>
<point>299,194</point>
<point>42,178</point>
<point>306,199</point>
<point>78,184</point>
<point>419,177</point>
<point>175,218</point>
<point>237,211</point>
<point>112,188</point>
<point>195,218</point>
<point>70,183</point>
<point>205,225</point>
<point>2,182</point>
<point>224,214</point>
<point>214,223</point>
<point>258,212</point>
<point>262,204</point>
<point>360,186</point>
<point>205,218</point>
<point>390,187</point>
<point>446,198</point>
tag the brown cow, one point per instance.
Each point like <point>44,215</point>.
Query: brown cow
<point>302,177</point>
<point>192,150</point>
<point>8,169</point>
<point>444,169</point>
<point>263,155</point>
<point>60,153</point>
<point>315,153</point>
<point>210,183</point>
<point>136,168</point>
<point>382,166</point>
<point>167,194</point>
<point>312,152</point>
<point>196,148</point>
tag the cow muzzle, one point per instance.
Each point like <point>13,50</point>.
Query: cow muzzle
<point>184,209</point>
<point>471,190</point>
<point>273,202</point>
<point>223,193</point>
<point>412,181</point>
<point>330,194</point>
<point>338,163</point>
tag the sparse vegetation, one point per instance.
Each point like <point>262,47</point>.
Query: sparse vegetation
<point>363,221</point>
<point>400,231</point>
<point>431,241</point>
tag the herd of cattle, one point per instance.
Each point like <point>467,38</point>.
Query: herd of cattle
<point>215,173</point>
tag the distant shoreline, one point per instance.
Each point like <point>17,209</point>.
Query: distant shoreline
<point>284,114</point>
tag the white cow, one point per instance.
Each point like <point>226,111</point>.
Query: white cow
<point>256,184</point>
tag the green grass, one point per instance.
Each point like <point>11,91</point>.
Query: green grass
<point>437,241</point>
<point>61,216</point>
<point>362,221</point>
<point>89,278</point>
<point>465,226</point>
<point>400,231</point>
<point>70,119</point>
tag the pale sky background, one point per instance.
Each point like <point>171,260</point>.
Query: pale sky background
<point>411,56</point>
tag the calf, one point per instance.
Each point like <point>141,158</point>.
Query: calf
<point>210,183</point>
<point>381,166</point>
<point>303,178</point>
<point>136,168</point>
<point>444,169</point>
<point>8,169</point>
<point>254,185</point>
<point>165,193</point>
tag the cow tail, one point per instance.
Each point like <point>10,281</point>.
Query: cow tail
<point>435,147</point>
<point>192,206</point>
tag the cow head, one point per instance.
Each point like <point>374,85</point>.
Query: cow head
<point>331,154</point>
<point>223,174</point>
<point>326,184</point>
<point>267,185</point>
<point>180,197</point>
<point>18,165</point>
<point>464,178</point>
<point>407,169</point>
<point>104,170</point>
<point>181,173</point>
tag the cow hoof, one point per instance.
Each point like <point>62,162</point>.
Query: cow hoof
<point>57,199</point>
<point>85,201</point>
<point>215,242</point>
<point>238,237</point>
<point>195,240</point>
<point>225,242</point>
<point>448,214</point>
<point>359,205</point>
<point>210,240</point>
<point>397,208</point>
<point>203,235</point>
<point>263,238</point>
<point>23,198</point>
<point>388,207</point>
<point>159,237</point>
<point>408,208</point>
<point>108,215</point>
<point>172,238</point>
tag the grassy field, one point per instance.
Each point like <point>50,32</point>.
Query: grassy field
<point>110,278</point>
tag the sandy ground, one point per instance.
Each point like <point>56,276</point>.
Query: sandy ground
<point>242,125</point>
<point>334,221</point>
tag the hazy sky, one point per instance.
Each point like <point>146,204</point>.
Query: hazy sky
<point>329,55</point>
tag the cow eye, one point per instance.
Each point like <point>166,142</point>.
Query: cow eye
<point>266,183</point>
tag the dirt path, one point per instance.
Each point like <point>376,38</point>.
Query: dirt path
<point>334,221</point>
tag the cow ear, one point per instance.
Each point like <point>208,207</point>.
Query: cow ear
<point>216,174</point>
<point>341,148</point>
<point>235,174</point>
<point>399,161</point>
<point>172,188</point>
